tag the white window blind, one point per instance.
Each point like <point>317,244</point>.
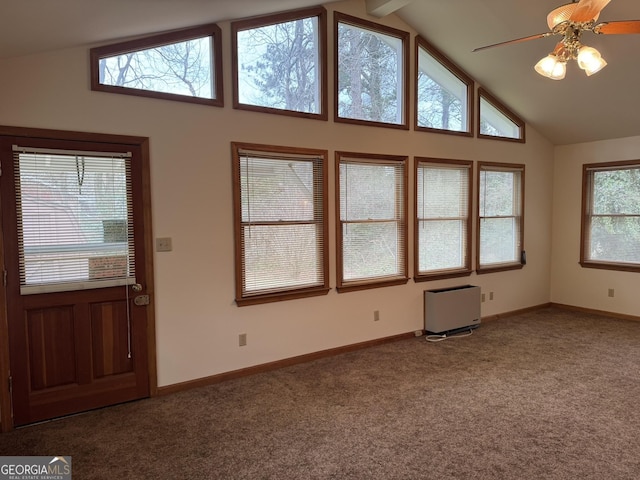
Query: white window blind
<point>443,216</point>
<point>282,222</point>
<point>372,220</point>
<point>500,215</point>
<point>75,221</point>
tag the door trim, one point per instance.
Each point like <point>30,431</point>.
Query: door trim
<point>6,418</point>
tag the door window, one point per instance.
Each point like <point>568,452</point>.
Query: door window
<point>75,221</point>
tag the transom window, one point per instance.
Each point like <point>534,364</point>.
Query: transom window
<point>443,220</point>
<point>496,121</point>
<point>372,62</point>
<point>185,65</point>
<point>280,63</point>
<point>444,94</point>
<point>280,223</point>
<point>611,216</point>
<point>372,227</point>
<point>500,216</point>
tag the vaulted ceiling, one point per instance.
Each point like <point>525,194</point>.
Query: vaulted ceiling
<point>576,109</point>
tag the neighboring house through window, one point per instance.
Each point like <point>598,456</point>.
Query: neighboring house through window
<point>280,220</point>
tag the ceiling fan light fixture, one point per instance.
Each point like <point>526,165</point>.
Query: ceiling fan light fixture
<point>590,60</point>
<point>551,67</point>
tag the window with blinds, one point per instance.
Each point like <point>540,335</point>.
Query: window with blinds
<point>75,221</point>
<point>372,226</point>
<point>500,216</point>
<point>443,222</point>
<point>611,216</point>
<point>280,223</point>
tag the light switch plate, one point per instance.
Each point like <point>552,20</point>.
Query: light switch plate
<point>163,244</point>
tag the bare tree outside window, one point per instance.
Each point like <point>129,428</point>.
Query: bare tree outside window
<point>278,66</point>
<point>370,75</point>
<point>182,68</point>
<point>183,65</point>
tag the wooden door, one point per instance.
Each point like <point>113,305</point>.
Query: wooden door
<point>78,307</point>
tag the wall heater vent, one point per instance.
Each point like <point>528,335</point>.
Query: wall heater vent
<point>447,309</point>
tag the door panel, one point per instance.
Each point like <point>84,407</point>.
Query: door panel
<point>110,339</point>
<point>84,346</point>
<point>51,347</point>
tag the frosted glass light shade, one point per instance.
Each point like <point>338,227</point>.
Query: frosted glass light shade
<point>590,60</point>
<point>551,67</point>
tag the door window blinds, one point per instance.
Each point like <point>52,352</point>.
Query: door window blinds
<point>74,219</point>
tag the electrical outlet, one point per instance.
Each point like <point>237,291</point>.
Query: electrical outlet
<point>490,295</point>
<point>376,315</point>
<point>611,292</point>
<point>482,297</point>
<point>164,244</point>
<point>242,339</point>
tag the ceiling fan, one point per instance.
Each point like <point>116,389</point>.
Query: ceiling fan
<point>570,21</point>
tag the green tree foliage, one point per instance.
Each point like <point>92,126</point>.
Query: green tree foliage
<point>615,224</point>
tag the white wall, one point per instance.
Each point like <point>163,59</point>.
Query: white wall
<point>197,321</point>
<point>570,283</point>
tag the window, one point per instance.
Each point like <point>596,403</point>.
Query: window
<point>611,216</point>
<point>444,94</point>
<point>279,64</point>
<point>280,223</point>
<point>185,65</point>
<point>372,82</point>
<point>372,227</point>
<point>443,222</point>
<point>496,121</point>
<point>500,216</point>
<point>75,219</point>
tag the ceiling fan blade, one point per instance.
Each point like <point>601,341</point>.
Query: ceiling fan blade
<point>617,28</point>
<point>517,40</point>
<point>587,10</point>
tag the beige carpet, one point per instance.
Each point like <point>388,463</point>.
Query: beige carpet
<point>550,394</point>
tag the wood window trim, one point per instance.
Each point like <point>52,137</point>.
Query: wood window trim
<point>585,216</point>
<point>518,264</point>
<point>455,70</point>
<point>453,273</point>
<point>265,20</point>
<point>341,286</point>
<point>293,293</point>
<point>176,36</point>
<point>485,94</point>
<point>339,17</point>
